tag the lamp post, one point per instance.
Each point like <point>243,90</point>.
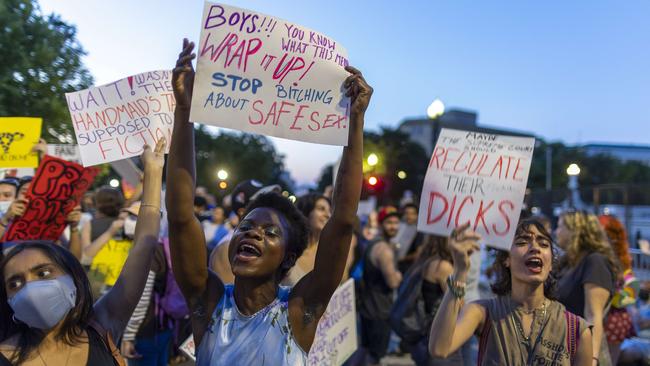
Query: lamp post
<point>574,199</point>
<point>436,109</point>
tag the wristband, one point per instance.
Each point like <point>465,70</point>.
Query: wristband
<point>456,288</point>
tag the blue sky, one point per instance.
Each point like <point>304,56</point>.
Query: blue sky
<point>576,71</point>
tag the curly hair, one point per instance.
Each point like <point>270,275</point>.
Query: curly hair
<point>503,282</point>
<point>298,225</point>
<point>618,239</point>
<point>587,236</point>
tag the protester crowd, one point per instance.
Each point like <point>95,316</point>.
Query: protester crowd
<point>249,277</point>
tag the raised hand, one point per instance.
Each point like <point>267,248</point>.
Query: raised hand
<point>358,90</point>
<point>16,209</point>
<point>462,243</point>
<point>74,217</point>
<point>154,159</point>
<point>183,76</point>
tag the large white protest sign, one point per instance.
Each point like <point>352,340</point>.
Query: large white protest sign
<point>67,152</point>
<point>257,73</point>
<point>114,121</point>
<point>336,334</point>
<point>478,178</point>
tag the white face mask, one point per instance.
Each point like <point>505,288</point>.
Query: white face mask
<point>129,227</point>
<point>4,206</point>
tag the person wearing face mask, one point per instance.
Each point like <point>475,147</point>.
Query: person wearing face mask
<point>47,315</point>
<point>113,249</point>
<point>523,325</point>
<point>10,205</point>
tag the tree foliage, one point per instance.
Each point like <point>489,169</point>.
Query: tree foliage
<point>40,62</point>
<point>243,156</point>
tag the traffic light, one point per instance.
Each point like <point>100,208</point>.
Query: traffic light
<point>373,181</point>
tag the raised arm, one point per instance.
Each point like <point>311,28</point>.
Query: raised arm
<point>73,219</point>
<point>454,322</point>
<point>313,292</point>
<point>114,309</point>
<point>90,251</point>
<point>186,238</point>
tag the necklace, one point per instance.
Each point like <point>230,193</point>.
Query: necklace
<point>67,359</point>
<point>520,328</point>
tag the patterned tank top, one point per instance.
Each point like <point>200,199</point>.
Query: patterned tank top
<point>264,338</point>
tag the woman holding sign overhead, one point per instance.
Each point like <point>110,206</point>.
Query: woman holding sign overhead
<point>47,315</point>
<point>255,321</point>
<point>523,325</point>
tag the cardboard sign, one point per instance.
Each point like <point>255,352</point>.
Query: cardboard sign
<point>128,171</point>
<point>65,152</point>
<point>114,121</point>
<point>478,178</point>
<point>260,74</point>
<point>54,192</point>
<point>107,264</point>
<point>336,334</point>
<point>189,348</point>
<point>18,135</point>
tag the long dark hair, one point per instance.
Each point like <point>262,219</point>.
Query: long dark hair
<point>503,283</point>
<point>434,246</point>
<point>307,203</point>
<point>74,323</point>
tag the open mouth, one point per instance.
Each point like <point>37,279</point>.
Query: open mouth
<point>534,265</point>
<point>248,251</point>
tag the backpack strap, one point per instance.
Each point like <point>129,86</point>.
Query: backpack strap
<point>485,332</point>
<point>572,333</point>
<point>107,339</point>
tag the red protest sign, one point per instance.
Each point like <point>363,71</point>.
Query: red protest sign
<point>55,190</point>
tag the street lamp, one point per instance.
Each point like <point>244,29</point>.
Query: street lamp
<point>574,199</point>
<point>401,174</point>
<point>222,174</point>
<point>573,170</point>
<point>114,183</point>
<point>436,109</point>
<point>373,159</point>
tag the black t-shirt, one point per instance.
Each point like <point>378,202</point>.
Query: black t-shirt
<point>593,268</point>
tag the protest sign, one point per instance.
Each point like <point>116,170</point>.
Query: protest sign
<point>260,74</point>
<point>128,171</point>
<point>114,121</point>
<point>65,152</point>
<point>54,192</point>
<point>478,178</point>
<point>336,334</point>
<point>18,135</point>
<point>188,347</point>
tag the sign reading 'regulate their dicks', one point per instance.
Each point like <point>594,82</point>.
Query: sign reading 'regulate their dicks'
<point>114,121</point>
<point>478,178</point>
<point>18,135</point>
<point>261,74</point>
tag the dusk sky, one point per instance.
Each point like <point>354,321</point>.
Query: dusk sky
<point>576,71</point>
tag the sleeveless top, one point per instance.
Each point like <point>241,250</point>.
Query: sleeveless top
<point>376,296</point>
<point>98,354</point>
<point>264,338</point>
<point>554,340</point>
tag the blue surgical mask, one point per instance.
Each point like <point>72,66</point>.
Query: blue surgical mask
<point>42,304</point>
